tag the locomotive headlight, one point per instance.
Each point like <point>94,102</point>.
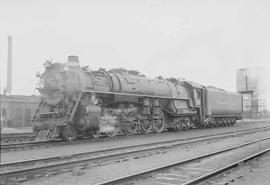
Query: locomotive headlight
<point>51,86</point>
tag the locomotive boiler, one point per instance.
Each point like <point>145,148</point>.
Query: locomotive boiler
<point>76,101</point>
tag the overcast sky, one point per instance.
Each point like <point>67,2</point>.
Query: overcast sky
<point>202,41</point>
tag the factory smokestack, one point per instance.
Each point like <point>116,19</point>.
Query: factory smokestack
<point>9,66</point>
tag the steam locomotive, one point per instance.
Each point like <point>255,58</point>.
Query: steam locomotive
<point>76,101</point>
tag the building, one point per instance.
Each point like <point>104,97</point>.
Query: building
<point>17,110</point>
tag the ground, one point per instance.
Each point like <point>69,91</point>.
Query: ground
<point>254,172</point>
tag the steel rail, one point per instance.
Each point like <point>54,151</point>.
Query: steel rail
<point>93,156</point>
<point>39,144</point>
<point>163,167</point>
<point>225,168</point>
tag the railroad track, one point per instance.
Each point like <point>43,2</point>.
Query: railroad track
<point>185,167</point>
<point>221,170</point>
<point>44,144</point>
<point>16,137</point>
<point>32,144</point>
<point>24,169</point>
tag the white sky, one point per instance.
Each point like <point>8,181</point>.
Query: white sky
<point>202,41</point>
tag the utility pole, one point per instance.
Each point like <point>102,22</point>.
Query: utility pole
<point>0,102</point>
<point>9,66</point>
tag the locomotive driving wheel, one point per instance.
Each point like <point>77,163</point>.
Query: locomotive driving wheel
<point>69,133</point>
<point>145,126</point>
<point>158,122</point>
<point>227,122</point>
<point>130,127</point>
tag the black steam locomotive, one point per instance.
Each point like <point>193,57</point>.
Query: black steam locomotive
<point>76,101</point>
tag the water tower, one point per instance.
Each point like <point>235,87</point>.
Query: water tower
<point>251,83</point>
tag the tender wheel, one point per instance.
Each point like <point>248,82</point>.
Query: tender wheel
<point>69,133</point>
<point>224,122</point>
<point>158,122</point>
<point>231,121</point>
<point>146,126</point>
<point>96,134</point>
<point>216,122</point>
<point>227,122</point>
<point>219,120</point>
<point>234,121</point>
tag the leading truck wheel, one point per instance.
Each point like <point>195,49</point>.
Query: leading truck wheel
<point>69,133</point>
<point>96,134</point>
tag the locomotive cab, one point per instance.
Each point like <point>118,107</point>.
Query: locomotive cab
<point>197,96</point>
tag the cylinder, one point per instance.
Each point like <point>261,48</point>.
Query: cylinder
<point>90,119</point>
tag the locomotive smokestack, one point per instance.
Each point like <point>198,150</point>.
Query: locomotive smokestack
<point>9,66</point>
<point>73,61</point>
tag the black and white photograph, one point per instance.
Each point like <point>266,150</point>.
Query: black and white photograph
<point>134,92</point>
